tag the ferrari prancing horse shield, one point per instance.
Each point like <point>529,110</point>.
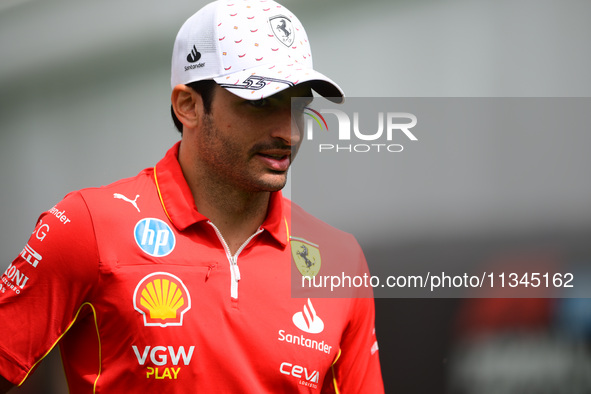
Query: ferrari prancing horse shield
<point>306,256</point>
<point>283,29</point>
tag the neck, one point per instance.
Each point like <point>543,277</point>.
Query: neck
<point>236,213</point>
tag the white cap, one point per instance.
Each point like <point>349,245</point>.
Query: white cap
<point>253,48</point>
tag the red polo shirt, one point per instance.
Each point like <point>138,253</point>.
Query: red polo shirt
<point>142,294</point>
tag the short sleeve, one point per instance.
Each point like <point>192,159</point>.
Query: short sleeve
<point>43,289</point>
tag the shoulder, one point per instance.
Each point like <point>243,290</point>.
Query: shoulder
<point>120,199</point>
<point>102,209</point>
<point>124,190</point>
<point>322,252</point>
<point>306,225</point>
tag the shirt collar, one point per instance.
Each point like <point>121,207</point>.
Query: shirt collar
<point>179,205</point>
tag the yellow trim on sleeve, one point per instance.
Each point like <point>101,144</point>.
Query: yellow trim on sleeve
<point>160,196</point>
<point>334,381</point>
<point>64,333</point>
<point>100,369</point>
<point>334,375</point>
<point>336,358</point>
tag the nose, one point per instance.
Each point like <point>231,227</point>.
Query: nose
<point>288,127</point>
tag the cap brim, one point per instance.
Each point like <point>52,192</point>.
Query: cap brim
<point>257,83</point>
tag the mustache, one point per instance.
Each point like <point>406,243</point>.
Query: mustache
<point>271,145</point>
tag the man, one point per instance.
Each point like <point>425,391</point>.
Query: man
<point>178,280</point>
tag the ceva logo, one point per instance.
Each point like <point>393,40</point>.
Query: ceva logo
<point>308,378</point>
<point>154,237</point>
<point>307,320</point>
<point>162,299</point>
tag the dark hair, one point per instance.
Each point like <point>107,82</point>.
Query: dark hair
<point>205,89</point>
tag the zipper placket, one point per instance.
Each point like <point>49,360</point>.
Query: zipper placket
<point>233,260</point>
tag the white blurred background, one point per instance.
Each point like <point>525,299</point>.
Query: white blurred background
<point>84,99</point>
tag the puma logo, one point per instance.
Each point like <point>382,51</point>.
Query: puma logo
<point>132,202</point>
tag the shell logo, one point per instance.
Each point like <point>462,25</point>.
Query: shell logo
<point>162,299</point>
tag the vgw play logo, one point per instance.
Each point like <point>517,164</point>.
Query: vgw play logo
<point>359,136</point>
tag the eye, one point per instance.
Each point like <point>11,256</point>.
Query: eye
<point>258,103</point>
<point>299,105</point>
<point>304,104</point>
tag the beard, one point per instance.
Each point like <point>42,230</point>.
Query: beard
<point>229,161</point>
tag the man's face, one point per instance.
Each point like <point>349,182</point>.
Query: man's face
<point>248,144</point>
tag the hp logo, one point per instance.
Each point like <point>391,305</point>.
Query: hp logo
<point>154,237</point>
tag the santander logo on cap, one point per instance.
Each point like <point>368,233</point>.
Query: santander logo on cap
<point>307,320</point>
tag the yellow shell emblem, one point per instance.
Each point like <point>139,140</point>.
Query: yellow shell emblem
<point>162,299</point>
<point>306,256</point>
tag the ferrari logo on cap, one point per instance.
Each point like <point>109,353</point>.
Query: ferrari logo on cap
<point>306,256</point>
<point>283,29</point>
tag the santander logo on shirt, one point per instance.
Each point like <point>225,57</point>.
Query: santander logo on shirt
<point>307,320</point>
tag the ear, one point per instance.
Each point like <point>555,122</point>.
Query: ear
<point>187,105</point>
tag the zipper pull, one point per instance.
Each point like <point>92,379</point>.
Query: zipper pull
<point>236,272</point>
